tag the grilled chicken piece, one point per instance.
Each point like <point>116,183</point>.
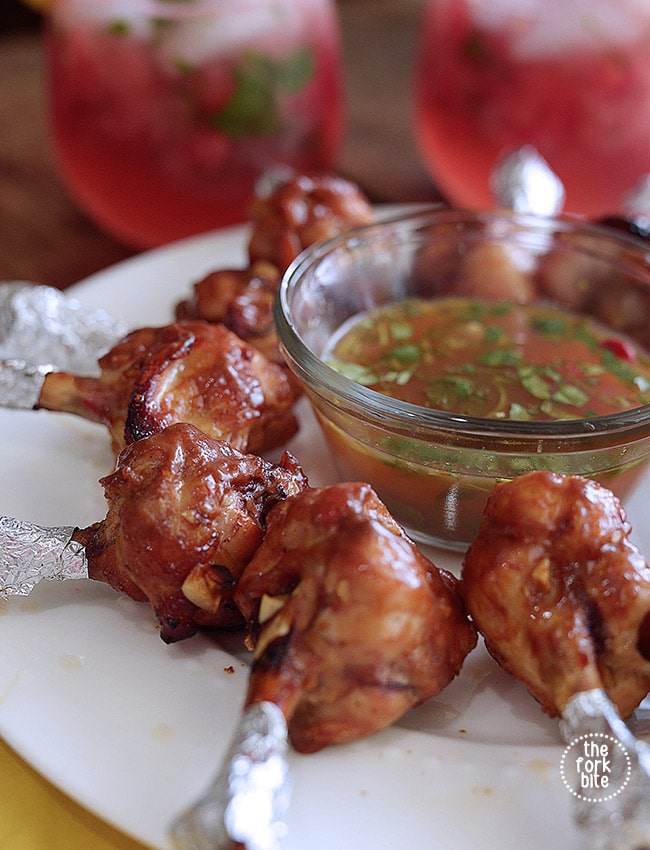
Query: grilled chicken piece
<point>183,372</point>
<point>242,300</point>
<point>303,210</point>
<point>294,215</point>
<point>185,515</point>
<point>351,624</point>
<point>559,592</point>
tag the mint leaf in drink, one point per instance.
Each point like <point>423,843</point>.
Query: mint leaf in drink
<point>119,27</point>
<point>295,70</point>
<point>260,83</point>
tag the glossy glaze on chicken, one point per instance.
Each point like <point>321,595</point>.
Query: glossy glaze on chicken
<point>185,515</point>
<point>351,624</point>
<point>183,372</point>
<point>560,592</point>
<point>294,214</point>
<point>300,211</point>
<point>242,300</point>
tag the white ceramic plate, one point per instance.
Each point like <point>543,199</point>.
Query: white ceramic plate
<point>134,729</point>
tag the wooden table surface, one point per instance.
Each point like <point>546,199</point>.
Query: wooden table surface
<point>45,238</point>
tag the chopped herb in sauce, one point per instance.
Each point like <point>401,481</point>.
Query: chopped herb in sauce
<point>493,359</point>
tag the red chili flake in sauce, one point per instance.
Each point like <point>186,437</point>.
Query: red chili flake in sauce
<point>621,348</point>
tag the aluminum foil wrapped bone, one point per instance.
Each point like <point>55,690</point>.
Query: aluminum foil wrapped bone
<point>40,324</point>
<point>247,801</point>
<point>21,383</point>
<point>32,553</point>
<point>43,329</point>
<point>619,820</point>
<point>523,182</point>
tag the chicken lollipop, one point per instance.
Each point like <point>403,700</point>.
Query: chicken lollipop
<point>242,300</point>
<point>302,210</point>
<point>187,371</point>
<point>560,593</point>
<point>185,515</point>
<point>351,624</point>
<point>293,215</point>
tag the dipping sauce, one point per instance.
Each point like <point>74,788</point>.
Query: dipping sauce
<point>493,359</point>
<point>524,342</point>
<point>496,360</point>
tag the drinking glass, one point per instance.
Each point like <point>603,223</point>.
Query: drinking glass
<point>165,113</point>
<point>571,78</point>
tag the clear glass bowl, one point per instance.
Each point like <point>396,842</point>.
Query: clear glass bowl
<point>434,469</point>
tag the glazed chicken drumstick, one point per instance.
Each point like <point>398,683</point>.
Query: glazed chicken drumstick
<point>183,372</point>
<point>295,214</point>
<point>351,627</point>
<point>242,300</point>
<point>301,210</point>
<point>560,593</point>
<point>185,515</point>
<point>351,624</point>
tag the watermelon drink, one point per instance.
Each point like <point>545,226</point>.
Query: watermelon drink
<point>569,77</point>
<point>165,113</point>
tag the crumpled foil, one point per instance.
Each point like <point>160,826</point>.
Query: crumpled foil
<point>32,553</point>
<point>523,181</point>
<point>41,325</point>
<point>247,801</point>
<point>620,820</point>
<point>21,383</point>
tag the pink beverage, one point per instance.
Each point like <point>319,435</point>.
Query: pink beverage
<point>569,77</point>
<point>165,113</point>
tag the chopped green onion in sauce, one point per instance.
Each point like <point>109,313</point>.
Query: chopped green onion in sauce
<point>493,359</point>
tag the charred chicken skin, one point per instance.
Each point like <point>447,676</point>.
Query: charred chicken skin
<point>185,515</point>
<point>183,372</point>
<point>351,624</point>
<point>559,592</point>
